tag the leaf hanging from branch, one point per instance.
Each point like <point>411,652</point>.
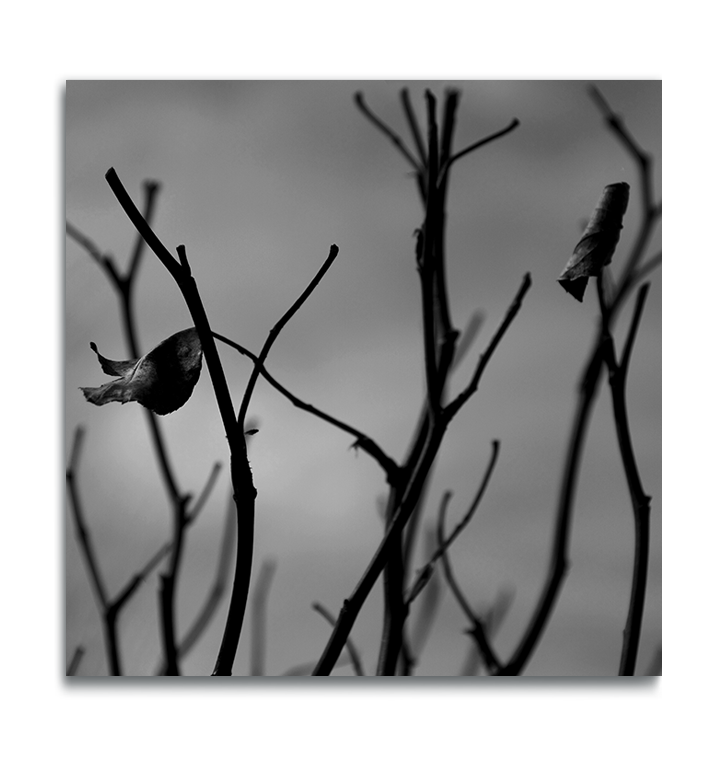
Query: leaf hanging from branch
<point>598,242</point>
<point>162,380</point>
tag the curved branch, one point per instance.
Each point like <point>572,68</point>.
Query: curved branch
<point>362,441</point>
<point>387,131</point>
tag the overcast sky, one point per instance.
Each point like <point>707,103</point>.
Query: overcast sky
<point>258,179</point>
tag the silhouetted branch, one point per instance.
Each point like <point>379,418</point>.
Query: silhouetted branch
<point>240,473</point>
<point>353,652</point>
<point>617,377</point>
<point>439,347</point>
<point>202,498</point>
<point>491,618</point>
<point>586,397</point>
<point>386,130</point>
<point>426,572</point>
<point>108,611</point>
<point>414,128</point>
<point>75,661</point>
<point>243,566</point>
<point>363,441</point>
<point>426,614</point>
<point>275,331</point>
<point>474,146</point>
<point>218,588</point>
<point>477,627</point>
<point>455,405</point>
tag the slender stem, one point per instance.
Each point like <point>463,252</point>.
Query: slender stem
<point>639,500</point>
<point>351,607</point>
<point>349,645</point>
<point>414,128</point>
<point>363,441</point>
<point>425,573</point>
<point>108,611</point>
<point>240,474</point>
<point>275,332</point>
<point>386,130</point>
<point>474,146</point>
<point>477,628</point>
<point>217,590</point>
<point>454,406</point>
<point>77,656</point>
<point>559,559</point>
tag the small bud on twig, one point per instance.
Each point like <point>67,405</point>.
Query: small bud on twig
<point>162,380</point>
<point>598,242</point>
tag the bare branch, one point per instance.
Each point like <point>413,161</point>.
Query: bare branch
<point>470,148</point>
<point>275,332</point>
<point>202,498</point>
<point>454,406</point>
<point>387,131</point>
<point>349,645</point>
<point>103,260</point>
<point>87,550</point>
<point>634,324</point>
<point>72,667</point>
<point>468,338</point>
<point>363,441</point>
<point>414,128</point>
<point>84,538</point>
<point>218,588</point>
<point>477,629</point>
<point>426,572</point>
<point>151,189</point>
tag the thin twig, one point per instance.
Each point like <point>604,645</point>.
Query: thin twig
<point>429,606</point>
<point>240,474</point>
<point>218,588</point>
<point>474,146</point>
<point>353,652</point>
<point>72,667</point>
<point>477,627</point>
<point>202,498</point>
<point>387,131</point>
<point>275,332</point>
<point>617,376</point>
<point>108,611</point>
<point>426,572</point>
<point>455,405</point>
<point>363,441</point>
<point>414,128</point>
<point>586,397</point>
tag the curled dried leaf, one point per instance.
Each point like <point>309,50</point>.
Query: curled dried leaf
<point>599,240</point>
<point>162,380</point>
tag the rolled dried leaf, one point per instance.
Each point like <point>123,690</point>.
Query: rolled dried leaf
<point>162,380</point>
<point>599,240</point>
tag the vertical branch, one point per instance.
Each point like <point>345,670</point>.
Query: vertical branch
<point>588,390</point>
<point>617,378</point>
<point>108,611</point>
<point>240,474</point>
<point>246,520</point>
<point>439,343</point>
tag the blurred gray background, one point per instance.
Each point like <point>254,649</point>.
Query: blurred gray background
<point>259,178</point>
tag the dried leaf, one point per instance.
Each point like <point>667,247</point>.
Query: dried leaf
<point>162,380</point>
<point>599,240</point>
